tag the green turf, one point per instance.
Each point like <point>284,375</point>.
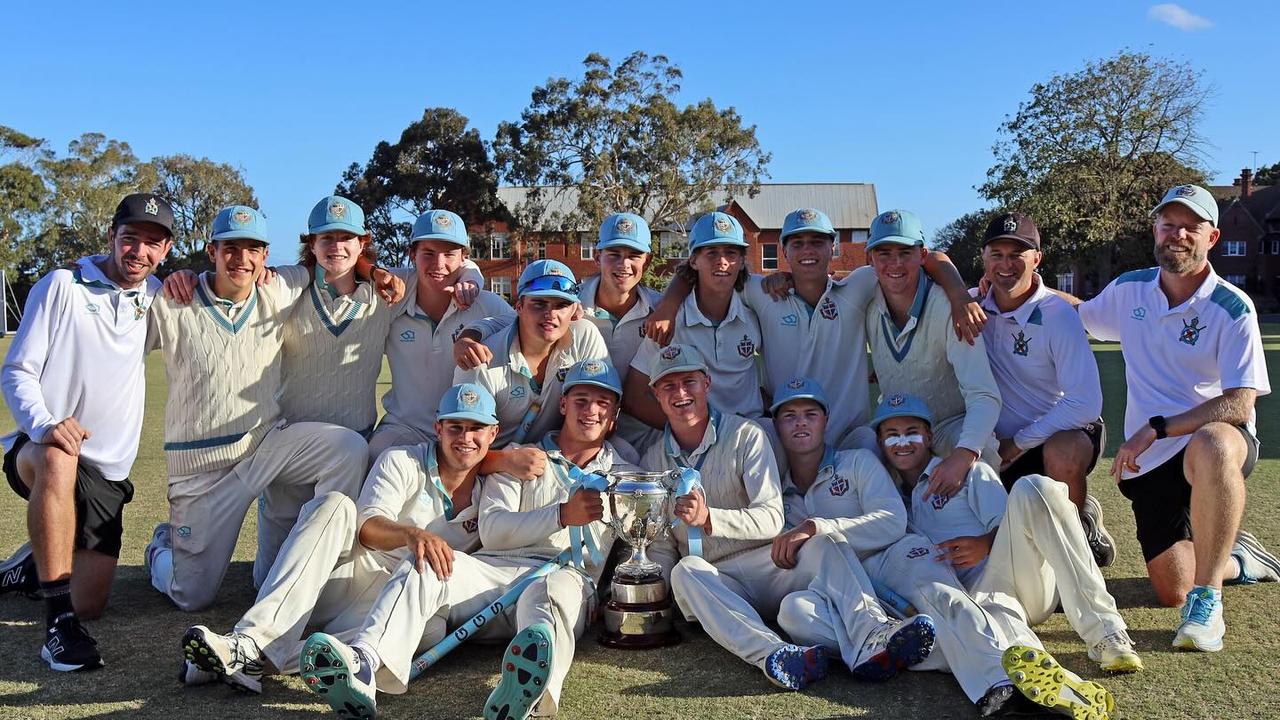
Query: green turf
<point>140,633</point>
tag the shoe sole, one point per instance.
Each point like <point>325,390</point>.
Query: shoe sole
<point>1042,680</point>
<point>804,667</point>
<point>1186,642</point>
<point>525,667</point>
<point>326,674</point>
<point>1249,542</point>
<point>197,650</point>
<point>1123,666</point>
<point>65,667</point>
<point>910,645</point>
<point>1105,540</point>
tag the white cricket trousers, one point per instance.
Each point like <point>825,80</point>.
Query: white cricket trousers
<point>1040,556</point>
<point>731,597</point>
<point>971,633</point>
<point>322,577</point>
<point>293,464</point>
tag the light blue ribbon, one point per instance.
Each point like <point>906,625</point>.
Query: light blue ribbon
<point>689,480</point>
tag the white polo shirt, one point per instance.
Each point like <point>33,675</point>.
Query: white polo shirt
<point>852,496</point>
<point>826,343</point>
<point>621,335</point>
<point>1038,352</point>
<point>976,510</point>
<point>79,353</point>
<point>526,412</point>
<point>1177,358</point>
<point>729,348</point>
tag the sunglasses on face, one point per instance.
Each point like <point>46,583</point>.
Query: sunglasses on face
<point>558,283</point>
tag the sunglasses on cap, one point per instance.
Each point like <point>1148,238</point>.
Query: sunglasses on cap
<point>558,283</point>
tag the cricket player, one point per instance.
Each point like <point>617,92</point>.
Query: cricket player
<point>1051,418</point>
<point>804,313</point>
<point>420,504</point>
<point>523,525</point>
<point>738,511</point>
<point>530,359</point>
<point>226,443</point>
<point>712,319</point>
<point>1194,366</point>
<point>1006,561</point>
<point>913,350</point>
<point>843,503</point>
<point>74,382</point>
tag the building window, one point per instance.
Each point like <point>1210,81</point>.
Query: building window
<point>835,246</point>
<point>1067,283</point>
<point>858,236</point>
<point>499,246</point>
<point>539,249</point>
<point>769,252</point>
<point>673,245</point>
<point>1275,247</point>
<point>501,286</point>
<point>586,247</point>
<point>1234,248</point>
<point>1237,280</point>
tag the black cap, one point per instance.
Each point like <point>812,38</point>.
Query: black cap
<point>1013,226</point>
<point>144,207</point>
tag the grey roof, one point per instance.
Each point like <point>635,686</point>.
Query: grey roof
<point>849,205</point>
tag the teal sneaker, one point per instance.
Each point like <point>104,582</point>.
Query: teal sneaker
<point>525,667</point>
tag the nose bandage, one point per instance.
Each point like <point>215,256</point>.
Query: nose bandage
<point>903,440</point>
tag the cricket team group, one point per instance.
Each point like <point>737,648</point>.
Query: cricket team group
<point>928,528</point>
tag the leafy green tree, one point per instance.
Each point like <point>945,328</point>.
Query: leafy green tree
<point>438,163</point>
<point>198,188</point>
<point>1269,175</point>
<point>616,139</point>
<point>21,193</point>
<point>961,240</point>
<point>1092,151</point>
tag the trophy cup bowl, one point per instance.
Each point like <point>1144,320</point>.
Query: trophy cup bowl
<point>640,509</point>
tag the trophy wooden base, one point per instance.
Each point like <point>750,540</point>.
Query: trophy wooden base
<point>640,616</point>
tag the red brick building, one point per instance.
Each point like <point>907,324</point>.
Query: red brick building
<point>1248,252</point>
<point>851,207</point>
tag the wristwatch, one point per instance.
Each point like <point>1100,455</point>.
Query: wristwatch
<point>1159,424</point>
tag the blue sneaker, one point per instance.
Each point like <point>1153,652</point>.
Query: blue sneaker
<point>794,667</point>
<point>525,667</point>
<point>1202,627</point>
<point>893,646</point>
<point>339,674</point>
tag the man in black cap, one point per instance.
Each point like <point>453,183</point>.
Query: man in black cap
<point>74,381</point>
<point>1050,421</point>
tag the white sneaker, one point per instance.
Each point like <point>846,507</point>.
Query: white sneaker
<point>234,658</point>
<point>159,541</point>
<point>894,646</point>
<point>341,675</point>
<point>1256,564</point>
<point>1115,654</point>
<point>190,674</point>
<point>1202,627</point>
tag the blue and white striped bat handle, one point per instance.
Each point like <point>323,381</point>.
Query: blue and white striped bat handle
<point>690,479</point>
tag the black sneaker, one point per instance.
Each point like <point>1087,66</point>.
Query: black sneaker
<point>18,573</point>
<point>1101,544</point>
<point>69,647</point>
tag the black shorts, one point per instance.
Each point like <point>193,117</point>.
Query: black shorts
<point>99,503</point>
<point>1161,500</point>
<point>1031,462</point>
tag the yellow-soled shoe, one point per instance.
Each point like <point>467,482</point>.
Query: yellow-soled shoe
<point>1046,683</point>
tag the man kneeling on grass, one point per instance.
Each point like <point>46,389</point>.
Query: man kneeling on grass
<point>418,506</point>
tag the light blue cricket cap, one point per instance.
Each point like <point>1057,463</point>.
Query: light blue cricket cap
<point>676,358</point>
<point>593,372</point>
<point>716,228</point>
<point>625,230</point>
<point>336,214</point>
<point>548,278</point>
<point>799,388</point>
<point>806,220</point>
<point>1199,200</point>
<point>440,225</point>
<point>901,405</point>
<point>468,401</point>
<point>899,227</point>
<point>240,222</point>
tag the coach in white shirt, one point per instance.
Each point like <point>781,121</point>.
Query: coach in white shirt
<point>1050,421</point>
<point>1194,365</point>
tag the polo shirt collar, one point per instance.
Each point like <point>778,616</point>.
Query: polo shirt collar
<point>708,439</point>
<point>1021,314</point>
<point>411,307</point>
<point>693,314</point>
<point>1200,296</point>
<point>86,272</point>
<point>642,308</point>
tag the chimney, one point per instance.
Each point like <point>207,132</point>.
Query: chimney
<point>1246,183</point>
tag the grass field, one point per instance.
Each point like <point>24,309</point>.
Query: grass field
<point>139,634</point>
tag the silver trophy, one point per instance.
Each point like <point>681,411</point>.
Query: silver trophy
<point>640,510</point>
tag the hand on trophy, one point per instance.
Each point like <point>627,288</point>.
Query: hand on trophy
<point>692,509</point>
<point>429,549</point>
<point>786,547</point>
<point>582,508</point>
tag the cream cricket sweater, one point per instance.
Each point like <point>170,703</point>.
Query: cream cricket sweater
<point>223,367</point>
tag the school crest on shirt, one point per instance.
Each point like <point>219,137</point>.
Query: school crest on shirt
<point>518,391</point>
<point>839,485</point>
<point>470,525</point>
<point>746,348</point>
<point>789,320</point>
<point>917,552</point>
<point>1191,331</point>
<point>939,501</point>
<point>92,308</point>
<point>1021,344</point>
<point>828,309</point>
<point>1139,313</point>
<point>407,336</point>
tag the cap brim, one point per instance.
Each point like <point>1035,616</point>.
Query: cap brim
<point>439,236</point>
<point>473,416</point>
<point>678,368</point>
<point>1199,211</point>
<point>595,383</point>
<point>809,229</point>
<point>1012,238</point>
<point>624,242</point>
<point>241,235</point>
<point>720,241</point>
<point>333,227</point>
<point>802,396</point>
<point>878,419</point>
<point>143,220</point>
<point>549,293</point>
<point>896,240</point>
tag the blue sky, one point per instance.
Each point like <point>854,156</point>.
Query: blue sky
<point>904,95</point>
